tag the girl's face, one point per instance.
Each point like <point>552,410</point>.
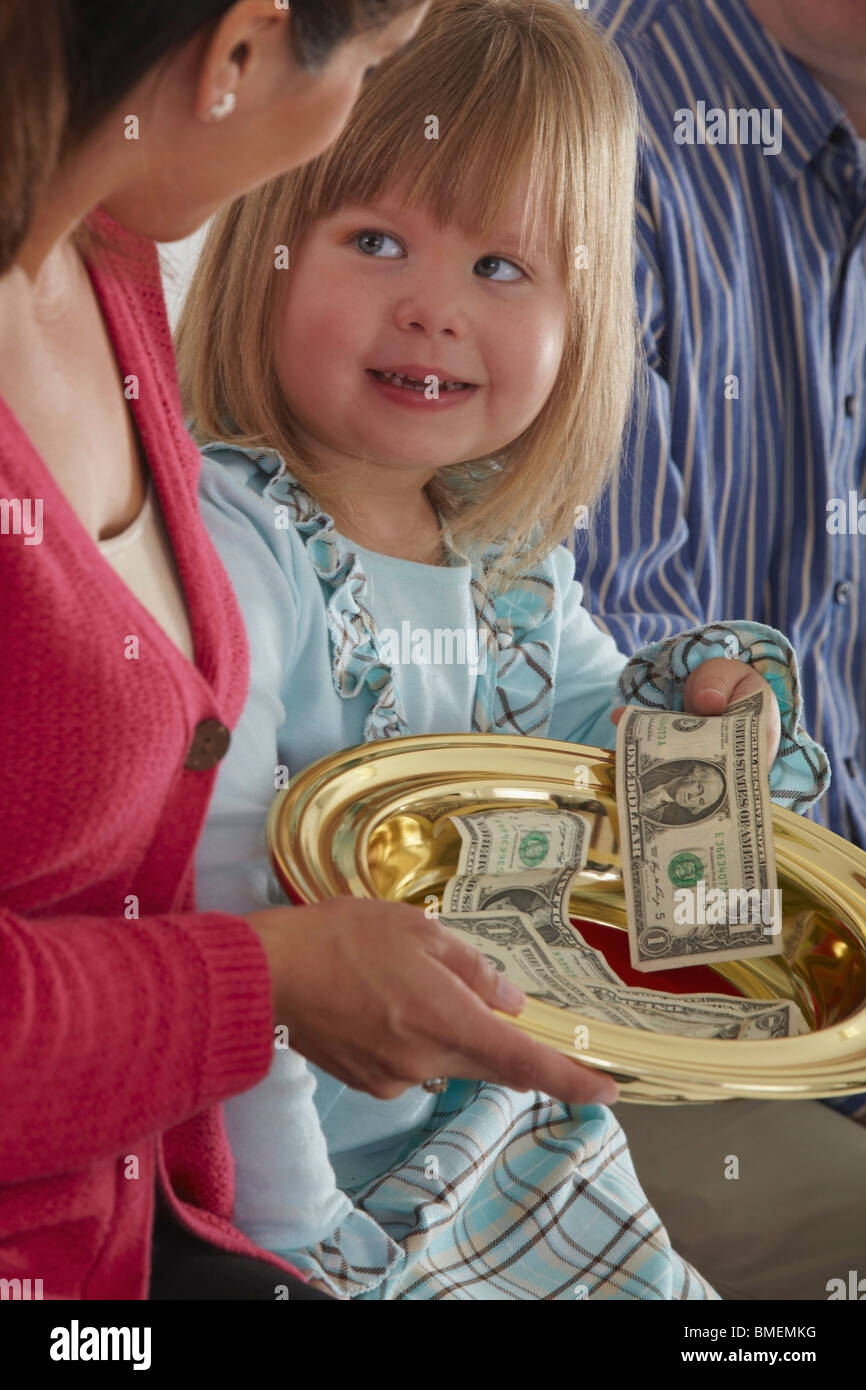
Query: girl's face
<point>379,289</point>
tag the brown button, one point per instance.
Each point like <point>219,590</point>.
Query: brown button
<point>210,743</point>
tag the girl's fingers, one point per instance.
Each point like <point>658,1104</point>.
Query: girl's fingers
<point>476,971</point>
<point>718,683</point>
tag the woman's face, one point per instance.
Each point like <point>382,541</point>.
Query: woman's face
<point>383,289</point>
<point>181,167</point>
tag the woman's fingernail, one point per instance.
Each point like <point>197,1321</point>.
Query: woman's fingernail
<point>606,1094</point>
<point>508,996</point>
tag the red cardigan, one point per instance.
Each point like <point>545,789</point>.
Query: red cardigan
<point>119,1034</point>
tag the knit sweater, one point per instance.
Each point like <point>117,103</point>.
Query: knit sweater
<point>126,1016</point>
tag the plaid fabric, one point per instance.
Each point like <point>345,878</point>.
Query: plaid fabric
<point>656,676</point>
<point>505,1195</point>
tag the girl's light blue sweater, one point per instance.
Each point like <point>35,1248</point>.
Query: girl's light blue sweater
<point>347,645</point>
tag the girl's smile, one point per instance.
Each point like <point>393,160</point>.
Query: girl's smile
<point>421,387</point>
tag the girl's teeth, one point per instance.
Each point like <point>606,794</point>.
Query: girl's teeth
<point>412,384</point>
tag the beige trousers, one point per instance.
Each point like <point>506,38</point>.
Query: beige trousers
<point>793,1219</point>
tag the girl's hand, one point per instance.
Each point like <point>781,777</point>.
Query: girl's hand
<point>718,683</point>
<point>384,998</point>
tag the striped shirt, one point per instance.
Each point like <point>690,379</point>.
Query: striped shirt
<point>741,494</point>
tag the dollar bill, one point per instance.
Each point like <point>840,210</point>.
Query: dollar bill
<point>511,943</point>
<point>519,919</point>
<point>521,841</point>
<point>543,898</point>
<point>659,1012</point>
<point>696,835</point>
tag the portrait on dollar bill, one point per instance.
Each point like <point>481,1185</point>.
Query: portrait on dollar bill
<point>682,792</point>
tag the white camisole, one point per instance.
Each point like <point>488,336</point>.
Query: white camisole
<point>143,557</point>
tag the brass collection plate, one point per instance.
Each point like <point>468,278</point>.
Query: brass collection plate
<point>360,822</point>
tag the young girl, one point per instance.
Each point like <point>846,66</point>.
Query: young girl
<point>412,386</point>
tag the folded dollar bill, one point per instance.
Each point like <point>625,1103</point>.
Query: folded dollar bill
<point>512,944</point>
<point>510,899</point>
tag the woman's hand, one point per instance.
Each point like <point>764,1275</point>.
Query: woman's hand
<point>384,998</point>
<point>720,682</point>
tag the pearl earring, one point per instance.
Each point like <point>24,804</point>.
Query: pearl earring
<point>223,108</point>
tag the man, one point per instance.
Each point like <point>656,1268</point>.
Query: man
<point>751,282</point>
<point>752,293</point>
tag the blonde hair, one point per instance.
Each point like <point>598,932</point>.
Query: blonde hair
<point>516,85</point>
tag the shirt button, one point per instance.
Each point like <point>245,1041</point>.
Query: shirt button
<point>850,405</point>
<point>210,743</point>
<point>843,591</point>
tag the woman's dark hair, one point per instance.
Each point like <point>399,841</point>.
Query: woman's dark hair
<point>64,65</point>
<point>110,46</point>
<point>32,112</point>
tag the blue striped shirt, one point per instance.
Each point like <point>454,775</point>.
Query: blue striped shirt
<point>739,497</point>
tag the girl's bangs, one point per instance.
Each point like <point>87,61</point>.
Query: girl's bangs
<point>453,144</point>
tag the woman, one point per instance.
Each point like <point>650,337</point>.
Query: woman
<point>126,1016</point>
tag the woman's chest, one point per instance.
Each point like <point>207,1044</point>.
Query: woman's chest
<point>60,378</point>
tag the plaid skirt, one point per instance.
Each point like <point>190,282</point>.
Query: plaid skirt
<point>508,1195</point>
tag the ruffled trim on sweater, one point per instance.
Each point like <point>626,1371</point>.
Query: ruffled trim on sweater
<point>514,690</point>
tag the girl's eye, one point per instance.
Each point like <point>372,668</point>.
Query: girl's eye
<point>496,261</point>
<point>374,242</point>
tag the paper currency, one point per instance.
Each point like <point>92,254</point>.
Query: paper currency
<point>512,945</point>
<point>519,919</point>
<point>543,898</point>
<point>517,842</point>
<point>690,1015</point>
<point>696,835</point>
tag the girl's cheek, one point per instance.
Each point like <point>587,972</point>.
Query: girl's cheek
<point>338,313</point>
<point>317,333</point>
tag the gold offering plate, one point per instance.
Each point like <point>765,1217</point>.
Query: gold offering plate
<point>360,823</point>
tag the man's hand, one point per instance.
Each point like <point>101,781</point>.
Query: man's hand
<point>720,682</point>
